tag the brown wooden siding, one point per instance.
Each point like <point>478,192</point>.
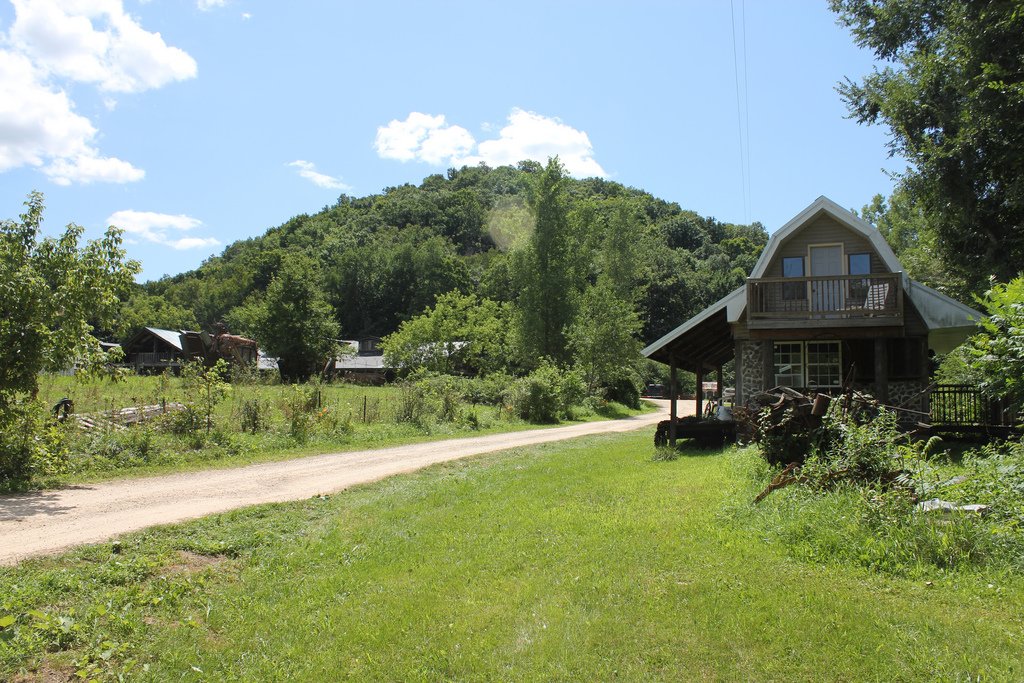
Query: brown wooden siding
<point>823,230</point>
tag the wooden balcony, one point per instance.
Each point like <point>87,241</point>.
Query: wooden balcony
<point>825,301</point>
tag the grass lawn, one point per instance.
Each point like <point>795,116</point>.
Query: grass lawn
<point>582,560</point>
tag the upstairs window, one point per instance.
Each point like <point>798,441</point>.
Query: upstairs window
<point>793,266</point>
<point>859,264</point>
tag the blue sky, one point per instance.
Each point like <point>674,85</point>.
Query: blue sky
<point>194,123</point>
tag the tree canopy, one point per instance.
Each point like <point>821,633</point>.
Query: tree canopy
<point>953,100</point>
<point>52,293</point>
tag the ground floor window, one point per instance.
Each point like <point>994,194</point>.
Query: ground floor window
<point>808,364</point>
<point>824,368</point>
<point>789,364</point>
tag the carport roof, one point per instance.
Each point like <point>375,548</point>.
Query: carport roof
<point>705,339</point>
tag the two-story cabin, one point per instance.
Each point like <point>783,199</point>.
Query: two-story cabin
<point>827,302</point>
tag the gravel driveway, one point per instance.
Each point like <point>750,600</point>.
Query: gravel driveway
<point>50,521</point>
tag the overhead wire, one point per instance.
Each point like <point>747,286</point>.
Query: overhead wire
<point>742,106</point>
<point>746,108</point>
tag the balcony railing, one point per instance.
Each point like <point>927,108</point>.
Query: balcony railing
<point>868,299</point>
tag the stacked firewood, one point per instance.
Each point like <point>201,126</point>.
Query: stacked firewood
<point>125,417</point>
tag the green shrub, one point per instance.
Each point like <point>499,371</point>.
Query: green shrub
<point>443,394</point>
<point>32,445</point>
<point>120,449</point>
<point>625,390</point>
<point>535,398</point>
<point>411,406</point>
<point>188,420</point>
<point>572,391</point>
<point>255,415</point>
<point>861,452</point>
<point>300,409</point>
<point>491,389</point>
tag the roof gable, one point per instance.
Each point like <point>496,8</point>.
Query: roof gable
<point>824,205</point>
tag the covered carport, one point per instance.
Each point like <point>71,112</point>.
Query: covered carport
<point>701,345</point>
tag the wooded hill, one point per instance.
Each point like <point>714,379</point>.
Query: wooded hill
<point>381,259</point>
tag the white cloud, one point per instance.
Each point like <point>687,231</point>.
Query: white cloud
<point>422,137</point>
<point>87,168</point>
<point>531,136</point>
<point>157,227</point>
<point>308,171</point>
<point>527,135</point>
<point>38,125</point>
<point>53,43</point>
<point>96,42</point>
<point>207,5</point>
<point>246,16</point>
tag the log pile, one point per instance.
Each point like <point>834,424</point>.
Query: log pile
<point>125,417</point>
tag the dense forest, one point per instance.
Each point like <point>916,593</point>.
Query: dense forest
<point>541,246</point>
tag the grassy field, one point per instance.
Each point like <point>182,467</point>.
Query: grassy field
<point>583,560</point>
<point>349,417</point>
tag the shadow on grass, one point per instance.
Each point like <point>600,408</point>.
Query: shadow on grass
<point>614,411</point>
<point>689,448</point>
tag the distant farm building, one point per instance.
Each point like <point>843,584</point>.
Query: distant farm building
<point>152,349</point>
<point>362,362</point>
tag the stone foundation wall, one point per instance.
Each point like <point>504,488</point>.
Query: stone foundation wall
<point>752,368</point>
<point>905,394</point>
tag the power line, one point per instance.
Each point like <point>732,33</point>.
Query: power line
<point>746,108</point>
<point>744,140</point>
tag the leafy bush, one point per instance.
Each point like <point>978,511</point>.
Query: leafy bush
<point>860,452</point>
<point>255,415</point>
<point>535,398</point>
<point>205,387</point>
<point>995,477</point>
<point>108,450</point>
<point>300,409</point>
<point>443,394</point>
<point>412,404</point>
<point>490,389</point>
<point>572,391</point>
<point>30,445</point>
<point>188,420</point>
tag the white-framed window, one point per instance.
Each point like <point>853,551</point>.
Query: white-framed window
<point>808,364</point>
<point>824,364</point>
<point>789,364</point>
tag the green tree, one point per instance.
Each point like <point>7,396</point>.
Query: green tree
<point>50,290</point>
<point>459,331</point>
<point>148,310</point>
<point>954,104</point>
<point>548,275</point>
<point>295,322</point>
<point>603,340</point>
<point>904,225</point>
<point>998,350</point>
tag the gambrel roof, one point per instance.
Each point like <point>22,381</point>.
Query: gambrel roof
<point>843,217</point>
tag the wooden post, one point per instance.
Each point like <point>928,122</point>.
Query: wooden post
<point>768,362</point>
<point>700,388</point>
<point>673,393</point>
<point>881,369</point>
<point>926,378</point>
<point>721,382</point>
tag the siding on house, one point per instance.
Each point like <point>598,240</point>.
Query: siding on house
<point>824,230</point>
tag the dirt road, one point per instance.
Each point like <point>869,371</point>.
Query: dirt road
<point>49,521</point>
